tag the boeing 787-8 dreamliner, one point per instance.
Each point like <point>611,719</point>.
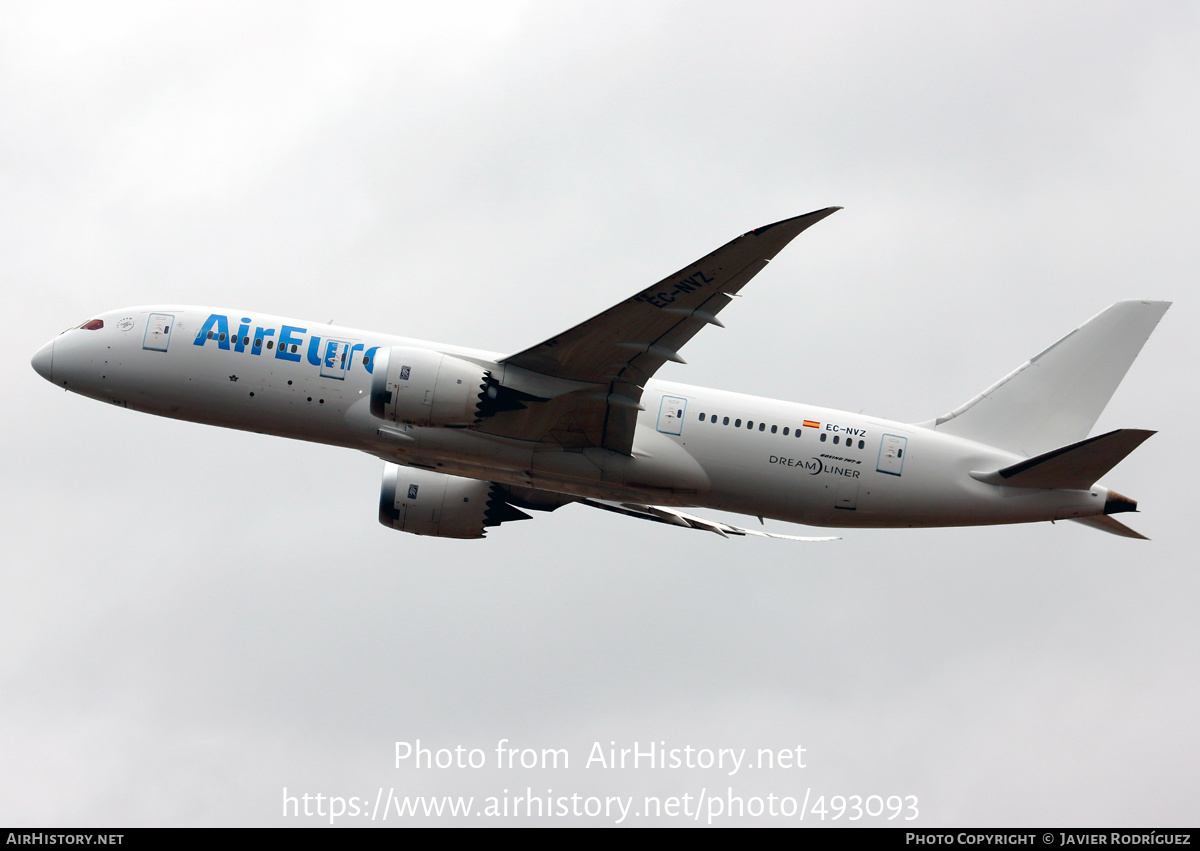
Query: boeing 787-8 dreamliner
<point>473,439</point>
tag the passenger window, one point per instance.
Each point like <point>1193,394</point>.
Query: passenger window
<point>270,344</point>
<point>823,435</point>
<point>762,426</point>
<point>775,429</point>
<point>258,344</point>
<point>785,431</point>
<point>835,440</point>
<point>749,423</point>
<point>726,422</point>
<point>861,444</point>
<point>702,418</point>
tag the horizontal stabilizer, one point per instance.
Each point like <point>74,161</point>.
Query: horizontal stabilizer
<point>1074,467</point>
<point>1108,524</point>
<point>658,514</point>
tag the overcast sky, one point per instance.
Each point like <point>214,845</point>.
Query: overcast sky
<point>194,619</point>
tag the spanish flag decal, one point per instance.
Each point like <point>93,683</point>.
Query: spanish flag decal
<point>811,424</point>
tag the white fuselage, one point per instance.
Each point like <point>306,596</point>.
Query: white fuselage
<point>693,446</point>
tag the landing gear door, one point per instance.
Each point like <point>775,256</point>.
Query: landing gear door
<point>670,415</point>
<point>335,359</point>
<point>158,332</point>
<point>891,454</point>
<point>847,495</point>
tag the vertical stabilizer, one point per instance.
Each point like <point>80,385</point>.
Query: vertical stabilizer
<point>1056,397</point>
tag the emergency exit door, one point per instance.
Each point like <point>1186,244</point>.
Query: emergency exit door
<point>891,454</point>
<point>158,332</point>
<point>335,359</point>
<point>670,415</point>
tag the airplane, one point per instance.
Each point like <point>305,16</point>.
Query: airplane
<point>474,439</point>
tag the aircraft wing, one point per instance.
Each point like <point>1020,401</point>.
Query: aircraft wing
<point>659,514</point>
<point>621,348</point>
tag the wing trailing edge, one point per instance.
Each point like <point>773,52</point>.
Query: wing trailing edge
<point>659,514</point>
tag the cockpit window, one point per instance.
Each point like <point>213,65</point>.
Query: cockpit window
<point>91,325</point>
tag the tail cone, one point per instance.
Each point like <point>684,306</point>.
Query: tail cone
<point>1117,503</point>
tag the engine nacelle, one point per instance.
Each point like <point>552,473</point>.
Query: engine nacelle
<point>426,502</point>
<point>426,388</point>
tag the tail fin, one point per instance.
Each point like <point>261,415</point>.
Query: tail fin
<point>1056,397</point>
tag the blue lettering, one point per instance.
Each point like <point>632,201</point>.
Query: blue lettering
<point>357,347</point>
<point>314,342</point>
<point>218,325</point>
<point>286,341</point>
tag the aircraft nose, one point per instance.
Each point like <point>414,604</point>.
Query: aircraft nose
<point>43,361</point>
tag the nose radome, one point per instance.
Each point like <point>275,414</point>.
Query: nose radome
<point>43,361</point>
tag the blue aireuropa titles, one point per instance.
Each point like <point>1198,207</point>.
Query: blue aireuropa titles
<point>290,340</point>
